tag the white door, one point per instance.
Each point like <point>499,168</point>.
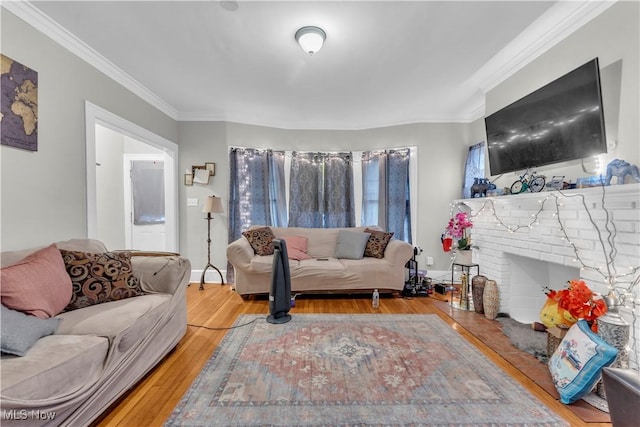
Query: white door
<point>144,193</point>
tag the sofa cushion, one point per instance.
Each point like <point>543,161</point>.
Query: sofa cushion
<point>99,277</point>
<point>38,284</point>
<point>124,322</point>
<point>377,243</point>
<point>296,247</point>
<point>351,244</point>
<point>21,331</point>
<point>577,363</point>
<point>261,240</point>
<point>56,367</point>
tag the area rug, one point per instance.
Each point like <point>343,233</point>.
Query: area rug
<point>362,369</point>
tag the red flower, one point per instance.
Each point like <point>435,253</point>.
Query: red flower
<point>580,302</point>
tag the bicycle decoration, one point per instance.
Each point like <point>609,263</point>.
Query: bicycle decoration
<point>457,229</point>
<point>528,182</point>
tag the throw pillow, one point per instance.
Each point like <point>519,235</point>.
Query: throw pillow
<point>37,285</point>
<point>297,247</point>
<point>20,331</point>
<point>377,243</point>
<point>577,363</point>
<point>351,244</point>
<point>261,240</point>
<point>100,277</point>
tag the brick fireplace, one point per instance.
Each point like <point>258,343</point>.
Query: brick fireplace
<point>520,243</point>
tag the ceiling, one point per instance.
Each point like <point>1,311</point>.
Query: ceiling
<point>383,63</point>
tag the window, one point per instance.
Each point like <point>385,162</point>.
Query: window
<point>473,168</point>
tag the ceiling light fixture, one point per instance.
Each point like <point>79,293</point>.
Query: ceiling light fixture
<point>310,39</point>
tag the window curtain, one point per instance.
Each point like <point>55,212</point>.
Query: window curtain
<point>473,168</point>
<point>321,190</point>
<point>147,189</point>
<point>256,192</point>
<point>386,196</point>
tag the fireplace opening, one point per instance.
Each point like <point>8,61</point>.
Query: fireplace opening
<point>527,279</point>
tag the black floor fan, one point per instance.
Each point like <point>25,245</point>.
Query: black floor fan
<point>280,295</point>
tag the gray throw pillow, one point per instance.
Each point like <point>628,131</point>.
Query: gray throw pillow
<point>21,331</point>
<point>351,244</point>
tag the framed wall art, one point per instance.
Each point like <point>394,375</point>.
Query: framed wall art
<point>18,105</point>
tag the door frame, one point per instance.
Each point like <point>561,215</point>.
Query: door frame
<point>95,115</point>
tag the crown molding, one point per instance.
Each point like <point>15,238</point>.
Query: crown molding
<point>41,22</point>
<point>557,23</point>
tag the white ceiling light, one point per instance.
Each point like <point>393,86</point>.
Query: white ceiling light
<point>310,39</point>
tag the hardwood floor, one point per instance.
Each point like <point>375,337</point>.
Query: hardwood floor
<point>153,399</point>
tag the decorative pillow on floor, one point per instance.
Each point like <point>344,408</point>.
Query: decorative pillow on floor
<point>377,243</point>
<point>37,285</point>
<point>297,247</point>
<point>577,363</point>
<point>261,240</point>
<point>100,277</point>
<point>21,331</point>
<point>351,244</point>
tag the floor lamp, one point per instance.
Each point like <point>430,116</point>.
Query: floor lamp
<point>211,206</point>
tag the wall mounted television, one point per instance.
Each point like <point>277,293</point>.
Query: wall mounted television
<point>559,122</point>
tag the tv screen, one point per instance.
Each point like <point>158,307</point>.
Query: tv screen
<point>559,122</point>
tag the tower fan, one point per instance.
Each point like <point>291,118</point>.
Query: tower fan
<point>280,295</point>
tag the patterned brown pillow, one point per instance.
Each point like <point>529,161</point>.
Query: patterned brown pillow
<point>377,243</point>
<point>99,277</point>
<point>261,240</point>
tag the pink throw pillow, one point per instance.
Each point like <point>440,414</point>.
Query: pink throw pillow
<point>38,284</point>
<point>297,247</point>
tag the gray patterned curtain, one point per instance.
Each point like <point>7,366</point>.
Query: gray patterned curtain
<point>386,198</point>
<point>473,168</point>
<point>256,192</point>
<point>321,190</point>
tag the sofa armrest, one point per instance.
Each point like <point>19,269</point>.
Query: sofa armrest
<point>161,274</point>
<point>240,253</point>
<point>398,252</point>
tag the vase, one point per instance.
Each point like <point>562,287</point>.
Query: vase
<point>490,299</point>
<point>615,331</point>
<point>464,257</point>
<point>477,290</point>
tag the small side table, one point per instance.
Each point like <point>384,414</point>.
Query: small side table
<point>465,268</point>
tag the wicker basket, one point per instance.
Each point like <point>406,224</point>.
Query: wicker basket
<point>554,337</point>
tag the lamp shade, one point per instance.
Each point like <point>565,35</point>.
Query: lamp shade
<point>310,39</point>
<point>213,204</point>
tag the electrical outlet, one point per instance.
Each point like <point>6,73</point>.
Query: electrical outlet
<point>429,260</point>
<point>192,202</point>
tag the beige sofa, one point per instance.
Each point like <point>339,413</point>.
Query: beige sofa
<point>98,352</point>
<point>253,272</point>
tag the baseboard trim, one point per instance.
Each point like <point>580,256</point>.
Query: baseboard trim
<point>211,276</point>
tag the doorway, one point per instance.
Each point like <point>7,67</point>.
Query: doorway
<point>113,145</point>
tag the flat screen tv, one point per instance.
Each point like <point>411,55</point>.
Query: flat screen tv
<point>559,122</point>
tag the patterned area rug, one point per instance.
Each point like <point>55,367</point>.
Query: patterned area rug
<point>363,369</point>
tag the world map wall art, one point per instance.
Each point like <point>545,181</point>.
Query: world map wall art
<point>18,105</point>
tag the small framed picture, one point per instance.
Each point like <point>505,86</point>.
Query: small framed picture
<point>188,179</point>
<point>200,175</point>
<point>211,167</point>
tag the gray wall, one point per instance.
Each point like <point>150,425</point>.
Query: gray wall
<point>442,150</point>
<point>43,192</point>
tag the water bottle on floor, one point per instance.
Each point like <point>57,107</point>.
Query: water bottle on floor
<point>376,299</point>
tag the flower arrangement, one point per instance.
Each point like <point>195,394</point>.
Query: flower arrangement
<point>563,308</point>
<point>457,229</point>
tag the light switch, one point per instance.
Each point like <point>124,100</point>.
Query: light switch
<point>192,202</point>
